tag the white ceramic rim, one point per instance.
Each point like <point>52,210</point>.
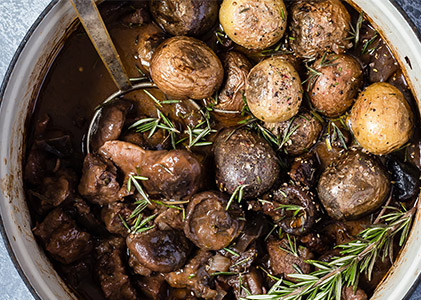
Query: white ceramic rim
<point>15,224</point>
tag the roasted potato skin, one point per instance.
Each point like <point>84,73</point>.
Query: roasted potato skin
<point>354,185</point>
<point>381,119</point>
<point>273,90</point>
<point>334,90</point>
<point>253,24</point>
<point>242,157</point>
<point>305,130</point>
<point>318,26</point>
<point>185,17</point>
<point>184,67</point>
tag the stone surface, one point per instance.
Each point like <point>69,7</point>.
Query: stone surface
<point>16,17</point>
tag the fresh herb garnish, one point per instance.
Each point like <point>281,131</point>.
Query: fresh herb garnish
<point>368,43</point>
<point>238,194</point>
<point>355,31</point>
<point>355,258</point>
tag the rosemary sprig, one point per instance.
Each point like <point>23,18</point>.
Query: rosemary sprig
<point>356,257</point>
<point>334,133</point>
<point>231,251</point>
<point>140,224</point>
<point>355,31</point>
<point>291,247</point>
<point>169,205</point>
<point>144,201</point>
<point>368,43</point>
<point>290,207</point>
<point>196,136</point>
<point>152,124</point>
<point>288,132</point>
<point>238,195</point>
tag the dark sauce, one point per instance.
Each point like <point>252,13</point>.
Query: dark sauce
<point>78,82</point>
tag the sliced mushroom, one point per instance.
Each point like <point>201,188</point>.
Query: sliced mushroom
<point>159,250</point>
<point>209,224</point>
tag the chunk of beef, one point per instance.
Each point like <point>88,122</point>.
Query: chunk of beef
<point>99,180</point>
<point>170,218</point>
<point>194,276</point>
<point>154,287</point>
<point>36,166</point>
<point>112,214</point>
<point>137,267</point>
<point>62,238</point>
<point>282,260</point>
<point>251,281</point>
<point>112,275</point>
<point>349,294</point>
<point>110,123</point>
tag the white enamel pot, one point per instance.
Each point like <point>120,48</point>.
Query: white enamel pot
<point>17,94</point>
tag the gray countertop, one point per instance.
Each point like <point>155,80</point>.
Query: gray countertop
<point>16,16</point>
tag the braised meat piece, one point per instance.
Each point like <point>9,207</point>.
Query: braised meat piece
<point>194,276</point>
<point>99,180</point>
<point>110,123</point>
<point>112,214</point>
<point>112,275</point>
<point>62,238</point>
<point>173,174</point>
<point>154,287</point>
<point>282,258</point>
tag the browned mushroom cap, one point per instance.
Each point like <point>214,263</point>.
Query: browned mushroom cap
<point>319,26</point>
<point>334,90</point>
<point>209,225</point>
<point>299,217</point>
<point>254,24</point>
<point>149,38</point>
<point>273,90</point>
<point>230,99</point>
<point>353,186</point>
<point>184,67</point>
<point>185,17</point>
<point>244,158</point>
<point>159,250</point>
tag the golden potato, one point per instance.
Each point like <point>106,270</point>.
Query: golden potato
<point>273,90</point>
<point>381,119</point>
<point>254,24</point>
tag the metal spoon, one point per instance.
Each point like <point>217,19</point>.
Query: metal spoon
<point>91,20</point>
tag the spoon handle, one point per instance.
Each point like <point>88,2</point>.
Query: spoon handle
<point>91,20</point>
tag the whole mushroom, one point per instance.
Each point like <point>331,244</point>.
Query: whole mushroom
<point>381,119</point>
<point>184,67</point>
<point>355,185</point>
<point>243,158</point>
<point>185,17</point>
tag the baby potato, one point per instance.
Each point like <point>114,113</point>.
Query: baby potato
<point>381,119</point>
<point>273,90</point>
<point>254,24</point>
<point>184,67</point>
<point>334,90</point>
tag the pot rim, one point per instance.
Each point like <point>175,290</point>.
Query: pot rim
<point>3,87</point>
